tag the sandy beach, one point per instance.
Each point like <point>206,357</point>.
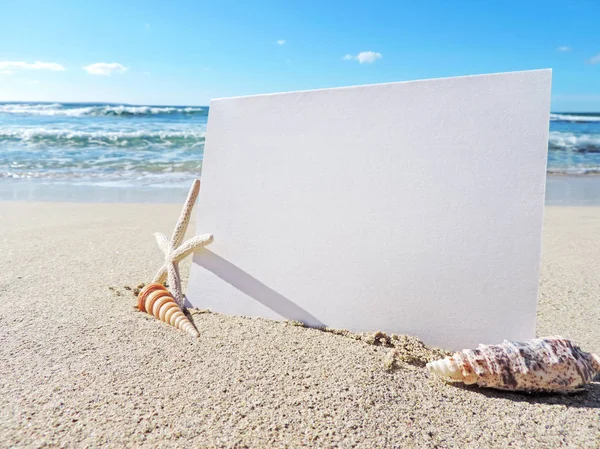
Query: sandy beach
<point>80,368</point>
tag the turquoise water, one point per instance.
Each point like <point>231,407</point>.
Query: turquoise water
<point>101,144</point>
<point>574,143</point>
<point>111,145</point>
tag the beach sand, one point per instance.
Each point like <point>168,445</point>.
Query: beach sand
<point>80,368</point>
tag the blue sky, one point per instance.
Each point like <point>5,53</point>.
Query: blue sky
<point>187,52</point>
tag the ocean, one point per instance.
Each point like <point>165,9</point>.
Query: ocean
<point>574,143</point>
<point>90,145</point>
<point>101,144</point>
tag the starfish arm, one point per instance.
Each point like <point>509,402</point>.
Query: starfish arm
<point>192,245</point>
<point>163,243</point>
<point>186,212</point>
<point>161,275</point>
<point>187,248</point>
<point>175,284</point>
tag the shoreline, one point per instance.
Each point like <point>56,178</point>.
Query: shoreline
<point>573,190</point>
<point>561,189</point>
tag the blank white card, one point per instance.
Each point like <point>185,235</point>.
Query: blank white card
<point>412,207</point>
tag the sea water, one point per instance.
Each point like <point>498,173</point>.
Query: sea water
<point>47,149</point>
<point>574,143</point>
<point>101,144</point>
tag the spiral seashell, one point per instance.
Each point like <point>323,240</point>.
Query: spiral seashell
<point>156,300</point>
<point>552,364</point>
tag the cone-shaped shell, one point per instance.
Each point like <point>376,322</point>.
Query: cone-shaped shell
<point>156,300</point>
<point>143,294</point>
<point>544,364</point>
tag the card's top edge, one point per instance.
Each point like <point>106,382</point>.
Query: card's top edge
<point>481,75</point>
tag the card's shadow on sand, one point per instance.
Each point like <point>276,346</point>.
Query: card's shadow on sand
<point>244,282</point>
<point>589,397</point>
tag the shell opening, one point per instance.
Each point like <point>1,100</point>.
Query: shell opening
<point>446,367</point>
<point>596,363</point>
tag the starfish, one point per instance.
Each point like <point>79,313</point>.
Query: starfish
<point>175,251</point>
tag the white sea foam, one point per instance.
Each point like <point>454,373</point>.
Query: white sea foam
<point>574,118</point>
<point>114,178</point>
<point>57,109</point>
<point>23,108</point>
<point>572,142</point>
<point>70,137</point>
<point>575,170</point>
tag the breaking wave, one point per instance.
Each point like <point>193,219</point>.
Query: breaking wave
<point>66,138</point>
<point>70,110</point>
<point>575,118</point>
<point>583,143</point>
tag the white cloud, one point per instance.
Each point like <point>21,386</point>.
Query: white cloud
<point>6,72</point>
<point>33,82</point>
<point>594,59</point>
<point>364,57</point>
<point>368,57</point>
<point>563,49</point>
<point>281,42</point>
<point>104,68</point>
<point>8,65</point>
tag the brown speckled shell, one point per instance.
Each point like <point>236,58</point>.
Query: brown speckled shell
<point>551,364</point>
<point>156,300</point>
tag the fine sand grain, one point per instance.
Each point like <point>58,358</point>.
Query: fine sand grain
<point>80,368</point>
